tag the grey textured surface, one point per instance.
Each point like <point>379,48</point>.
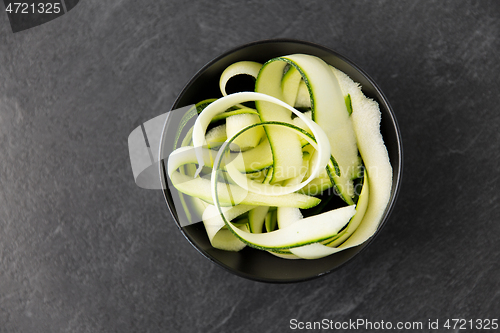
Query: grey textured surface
<point>82,249</point>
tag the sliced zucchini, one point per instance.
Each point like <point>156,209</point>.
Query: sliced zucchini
<point>256,219</point>
<point>250,138</point>
<point>230,194</point>
<point>219,235</point>
<point>305,231</point>
<point>328,110</point>
<point>200,126</point>
<point>286,146</point>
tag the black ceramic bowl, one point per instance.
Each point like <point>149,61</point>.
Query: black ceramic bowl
<point>260,265</point>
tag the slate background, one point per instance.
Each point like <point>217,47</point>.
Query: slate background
<point>82,249</point>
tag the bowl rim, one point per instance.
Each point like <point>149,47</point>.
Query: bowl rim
<point>397,182</point>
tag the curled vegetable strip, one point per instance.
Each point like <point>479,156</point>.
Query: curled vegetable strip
<point>305,231</point>
<point>327,106</point>
<point>317,250</point>
<point>229,194</point>
<point>262,151</point>
<point>262,188</point>
<point>219,237</point>
<point>242,67</point>
<point>222,104</point>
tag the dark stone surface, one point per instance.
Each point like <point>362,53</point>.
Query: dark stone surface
<point>83,249</point>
